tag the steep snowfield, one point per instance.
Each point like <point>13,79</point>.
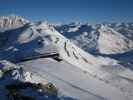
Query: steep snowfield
<point>112,42</point>
<point>79,74</point>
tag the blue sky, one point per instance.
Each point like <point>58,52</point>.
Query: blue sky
<point>93,11</point>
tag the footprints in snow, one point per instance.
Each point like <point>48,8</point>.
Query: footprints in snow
<point>74,53</point>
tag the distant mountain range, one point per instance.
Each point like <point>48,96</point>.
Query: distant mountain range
<point>107,38</point>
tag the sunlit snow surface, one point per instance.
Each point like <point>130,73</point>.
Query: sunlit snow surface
<point>105,75</point>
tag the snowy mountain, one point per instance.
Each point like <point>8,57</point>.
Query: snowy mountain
<point>40,48</point>
<point>84,36</point>
<point>112,42</point>
<point>12,21</point>
<point>104,38</point>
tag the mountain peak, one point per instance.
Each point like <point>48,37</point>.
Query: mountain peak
<point>11,22</point>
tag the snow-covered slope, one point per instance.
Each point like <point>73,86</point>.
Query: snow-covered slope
<point>103,38</point>
<point>112,42</point>
<point>83,35</point>
<point>40,40</point>
<point>125,29</point>
<point>73,81</point>
<point>18,84</point>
